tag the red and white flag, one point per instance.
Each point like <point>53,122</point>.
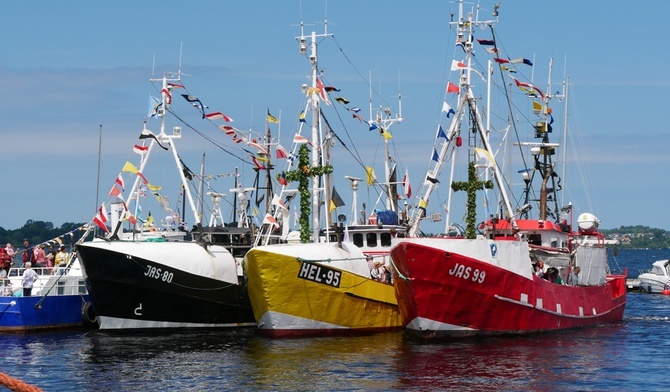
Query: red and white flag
<point>406,185</point>
<point>119,180</point>
<point>140,149</point>
<point>101,218</point>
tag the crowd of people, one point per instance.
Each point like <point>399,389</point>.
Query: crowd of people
<point>379,271</point>
<point>552,273</point>
<point>34,260</point>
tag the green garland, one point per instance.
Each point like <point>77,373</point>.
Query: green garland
<point>302,175</point>
<point>471,186</point>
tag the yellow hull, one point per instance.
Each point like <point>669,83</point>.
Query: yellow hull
<point>294,298</point>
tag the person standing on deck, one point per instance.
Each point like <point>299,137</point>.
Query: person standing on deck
<point>28,279</point>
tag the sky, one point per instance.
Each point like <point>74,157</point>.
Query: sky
<point>75,74</point>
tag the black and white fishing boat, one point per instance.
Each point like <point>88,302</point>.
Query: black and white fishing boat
<point>158,282</point>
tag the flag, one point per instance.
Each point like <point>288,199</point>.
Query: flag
<point>282,179</point>
<point>512,70</point>
<point>195,102</point>
<point>101,218</point>
<point>528,85</point>
<point>486,42</point>
<point>422,206</point>
<point>521,60</point>
<point>342,100</point>
<point>358,116</point>
<point>322,91</point>
<point>355,109</point>
<point>119,180</point>
<point>481,153</point>
<point>537,106</point>
<point>257,164</point>
<point>335,200</point>
<point>270,220</point>
<point>440,132</point>
<point>272,119</point>
<point>302,117</point>
<point>370,175</point>
<point>146,134</point>
<point>140,149</point>
<point>129,168</point>
<point>297,139</point>
<point>456,65</point>
<point>492,50</point>
<point>373,126</point>
<point>432,180</point>
<point>276,201</point>
<point>406,184</point>
<point>154,105</point>
<point>452,88</point>
<point>500,60</point>
<point>436,158</point>
<point>291,157</point>
<point>168,95</point>
<point>447,108</point>
<point>228,130</point>
<point>281,152</point>
<point>386,135</point>
<point>331,88</point>
<point>218,115</point>
<point>150,220</point>
<point>114,192</point>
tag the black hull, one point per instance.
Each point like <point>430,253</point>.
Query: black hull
<point>120,288</point>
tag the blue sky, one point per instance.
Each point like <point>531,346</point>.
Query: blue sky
<point>66,68</point>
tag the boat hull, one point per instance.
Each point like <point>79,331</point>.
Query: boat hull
<point>34,313</point>
<point>653,284</point>
<point>168,285</point>
<point>445,293</point>
<point>292,297</point>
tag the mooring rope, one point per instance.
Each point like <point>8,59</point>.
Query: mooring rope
<point>14,384</point>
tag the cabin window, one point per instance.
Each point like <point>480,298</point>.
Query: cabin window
<point>386,239</point>
<point>535,239</point>
<point>332,238</point>
<point>371,239</point>
<point>82,287</point>
<point>358,240</point>
<point>60,288</point>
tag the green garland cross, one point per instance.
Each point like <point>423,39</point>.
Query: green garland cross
<point>471,186</point>
<point>302,175</point>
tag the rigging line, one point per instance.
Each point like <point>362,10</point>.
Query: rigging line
<point>207,137</point>
<point>381,98</point>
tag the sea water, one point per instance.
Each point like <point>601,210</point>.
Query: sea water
<point>627,356</point>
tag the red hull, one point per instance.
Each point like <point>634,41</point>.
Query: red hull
<point>446,294</point>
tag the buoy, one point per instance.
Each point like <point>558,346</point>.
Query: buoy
<point>665,292</point>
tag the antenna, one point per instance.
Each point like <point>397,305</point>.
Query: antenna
<point>181,49</point>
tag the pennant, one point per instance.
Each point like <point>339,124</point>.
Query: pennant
<point>282,179</point>
<point>322,91</point>
<point>195,102</point>
<point>280,152</point>
<point>406,185</point>
<point>492,50</point>
<point>141,150</point>
<point>218,115</point>
<point>129,168</point>
<point>435,157</point>
<point>440,132</point>
<point>446,108</point>
<point>119,180</point>
<point>486,42</point>
<point>511,70</point>
<point>456,65</point>
<point>302,117</point>
<point>342,100</point>
<point>257,164</point>
<point>272,119</point>
<point>258,146</point>
<point>481,153</point>
<point>298,139</point>
<point>175,85</point>
<point>537,106</point>
<point>101,218</point>
<point>331,88</point>
<point>228,130</point>
<point>355,109</point>
<point>335,200</point>
<point>146,134</point>
<point>373,126</point>
<point>452,88</point>
<point>358,116</point>
<point>500,60</point>
<point>270,220</point>
<point>521,60</point>
<point>386,135</point>
<point>114,192</point>
<point>528,85</point>
<point>370,175</point>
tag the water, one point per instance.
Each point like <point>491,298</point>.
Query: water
<point>628,356</point>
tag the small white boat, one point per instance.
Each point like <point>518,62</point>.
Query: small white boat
<point>657,279</point>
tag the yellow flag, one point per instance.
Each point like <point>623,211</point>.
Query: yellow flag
<point>130,168</point>
<point>387,135</point>
<point>370,175</point>
<point>154,187</point>
<point>537,106</point>
<point>272,119</point>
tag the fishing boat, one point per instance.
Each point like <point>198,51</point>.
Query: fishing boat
<point>145,281</point>
<point>319,284</point>
<point>514,272</point>
<point>58,300</point>
<point>657,279</point>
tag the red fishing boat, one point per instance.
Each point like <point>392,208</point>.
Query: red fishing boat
<point>521,270</point>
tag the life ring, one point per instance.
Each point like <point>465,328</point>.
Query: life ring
<point>88,313</point>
